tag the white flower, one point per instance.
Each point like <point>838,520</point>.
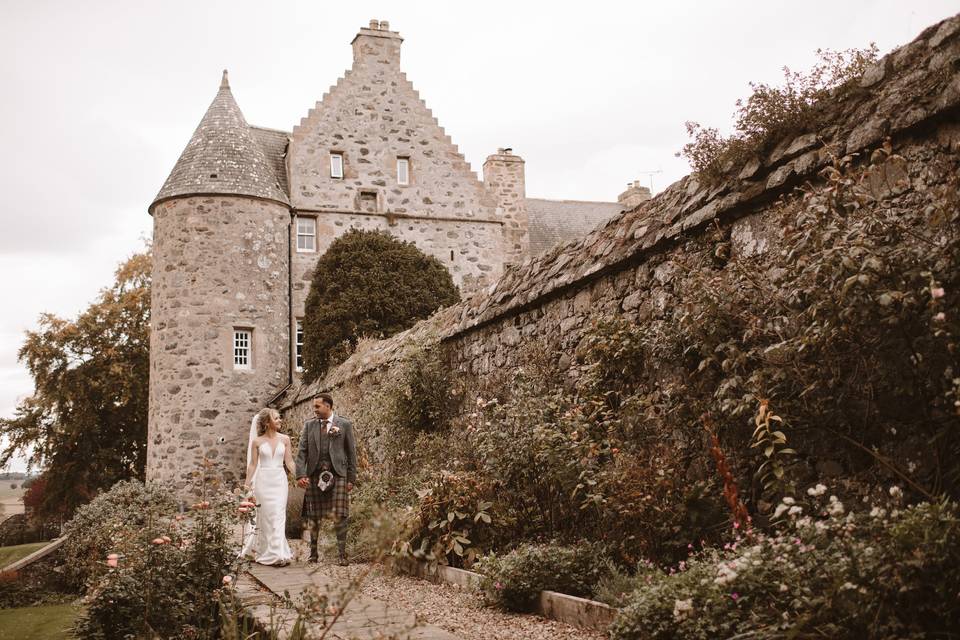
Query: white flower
<point>784,588</point>
<point>835,508</point>
<point>795,510</point>
<point>878,512</point>
<point>725,574</point>
<point>779,510</point>
<point>788,500</point>
<point>682,608</point>
<point>896,492</point>
<point>818,490</point>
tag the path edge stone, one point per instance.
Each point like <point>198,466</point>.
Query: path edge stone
<point>578,612</point>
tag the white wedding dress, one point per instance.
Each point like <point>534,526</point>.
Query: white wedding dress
<point>268,541</point>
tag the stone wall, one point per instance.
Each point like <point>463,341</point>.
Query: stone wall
<point>372,117</point>
<point>625,267</point>
<point>220,262</point>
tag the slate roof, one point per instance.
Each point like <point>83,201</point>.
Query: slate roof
<point>553,222</point>
<point>225,156</point>
<point>274,144</point>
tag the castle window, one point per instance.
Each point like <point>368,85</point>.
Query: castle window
<point>403,170</point>
<point>242,341</point>
<point>299,345</point>
<point>306,234</point>
<point>336,165</point>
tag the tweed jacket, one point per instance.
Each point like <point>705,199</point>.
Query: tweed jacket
<point>343,449</point>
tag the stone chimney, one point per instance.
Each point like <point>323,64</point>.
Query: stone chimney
<point>504,178</point>
<point>634,195</point>
<point>376,44</point>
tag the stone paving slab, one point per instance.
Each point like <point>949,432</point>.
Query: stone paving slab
<point>363,617</point>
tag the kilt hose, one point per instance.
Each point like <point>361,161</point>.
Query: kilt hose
<point>335,501</point>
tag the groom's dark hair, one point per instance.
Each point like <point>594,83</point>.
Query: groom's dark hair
<point>326,397</point>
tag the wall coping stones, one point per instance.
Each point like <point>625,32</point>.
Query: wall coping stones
<point>905,96</point>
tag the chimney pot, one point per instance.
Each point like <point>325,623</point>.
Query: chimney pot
<point>375,24</point>
<point>385,25</point>
<point>500,151</point>
<point>508,150</point>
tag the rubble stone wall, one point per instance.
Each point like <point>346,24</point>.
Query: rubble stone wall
<point>372,117</point>
<point>220,263</point>
<point>911,96</point>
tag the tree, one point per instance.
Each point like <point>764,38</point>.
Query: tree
<point>86,422</point>
<point>368,284</point>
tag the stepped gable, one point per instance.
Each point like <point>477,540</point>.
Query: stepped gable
<point>554,221</point>
<point>914,87</point>
<point>224,156</point>
<point>372,115</point>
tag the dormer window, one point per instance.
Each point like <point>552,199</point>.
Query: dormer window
<point>336,165</point>
<point>403,170</point>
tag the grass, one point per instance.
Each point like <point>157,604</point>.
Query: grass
<point>12,554</point>
<point>51,622</point>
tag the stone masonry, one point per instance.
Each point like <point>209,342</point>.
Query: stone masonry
<point>220,263</point>
<point>626,268</point>
<point>228,254</point>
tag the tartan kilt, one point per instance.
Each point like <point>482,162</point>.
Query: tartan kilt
<point>335,501</point>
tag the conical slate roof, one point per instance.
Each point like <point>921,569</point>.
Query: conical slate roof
<point>223,156</point>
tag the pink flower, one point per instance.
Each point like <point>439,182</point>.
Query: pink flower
<point>498,586</point>
<point>247,504</point>
<point>940,317</point>
<point>735,596</point>
<point>227,580</point>
<point>158,541</point>
<point>244,509</point>
<point>937,292</point>
<point>166,538</point>
<point>112,560</point>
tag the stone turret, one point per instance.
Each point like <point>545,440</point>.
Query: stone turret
<point>219,345</point>
<point>503,176</point>
<point>634,195</point>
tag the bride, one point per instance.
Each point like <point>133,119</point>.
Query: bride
<point>268,457</point>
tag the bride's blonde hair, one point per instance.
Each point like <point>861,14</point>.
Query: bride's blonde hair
<point>263,417</point>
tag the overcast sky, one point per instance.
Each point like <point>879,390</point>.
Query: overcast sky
<point>99,99</point>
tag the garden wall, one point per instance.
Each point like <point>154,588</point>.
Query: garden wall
<point>630,265</point>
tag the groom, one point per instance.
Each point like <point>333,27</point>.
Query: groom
<point>327,444</point>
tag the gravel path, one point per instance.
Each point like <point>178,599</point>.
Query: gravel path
<point>457,611</point>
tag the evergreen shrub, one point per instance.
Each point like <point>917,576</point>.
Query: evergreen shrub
<point>368,284</point>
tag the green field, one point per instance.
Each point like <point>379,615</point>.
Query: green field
<point>9,555</point>
<point>51,622</point>
<point>10,498</point>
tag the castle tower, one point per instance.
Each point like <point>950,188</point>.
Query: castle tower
<point>219,346</point>
<point>504,176</point>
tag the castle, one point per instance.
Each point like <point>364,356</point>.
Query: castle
<point>246,211</point>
